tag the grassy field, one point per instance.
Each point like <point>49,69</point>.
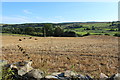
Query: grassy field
<point>100,28</point>
<point>87,55</point>
<point>80,28</point>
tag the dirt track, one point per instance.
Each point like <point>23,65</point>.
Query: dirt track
<point>87,55</point>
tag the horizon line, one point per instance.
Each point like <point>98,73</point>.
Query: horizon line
<point>62,22</point>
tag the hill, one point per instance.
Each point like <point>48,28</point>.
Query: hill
<point>70,29</point>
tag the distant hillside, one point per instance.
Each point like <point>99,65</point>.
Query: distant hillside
<point>70,29</point>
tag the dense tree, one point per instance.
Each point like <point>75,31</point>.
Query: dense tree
<point>47,30</point>
<point>29,30</point>
<point>86,34</point>
<point>50,29</point>
<point>69,34</point>
<point>58,31</point>
<point>93,28</point>
<point>118,27</point>
<point>38,29</point>
<point>16,30</point>
<point>87,28</point>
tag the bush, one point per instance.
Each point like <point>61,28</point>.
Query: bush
<point>79,35</point>
<point>87,29</point>
<point>117,34</point>
<point>106,34</point>
<point>97,34</point>
<point>8,74</point>
<point>69,34</point>
<point>87,34</point>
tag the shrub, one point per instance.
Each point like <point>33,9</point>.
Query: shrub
<point>106,34</point>
<point>87,34</point>
<point>97,34</point>
<point>69,34</point>
<point>79,35</point>
<point>7,74</point>
<point>117,34</point>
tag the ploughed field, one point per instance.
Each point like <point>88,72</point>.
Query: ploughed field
<point>86,55</point>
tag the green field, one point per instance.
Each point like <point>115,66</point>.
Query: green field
<point>99,28</point>
<point>51,29</point>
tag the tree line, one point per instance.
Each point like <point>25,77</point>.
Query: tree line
<point>60,29</point>
<point>43,30</point>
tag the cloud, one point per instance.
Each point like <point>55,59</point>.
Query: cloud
<point>34,19</point>
<point>39,19</point>
<point>15,19</point>
<point>27,12</point>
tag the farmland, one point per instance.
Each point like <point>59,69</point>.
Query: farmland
<point>87,55</point>
<point>71,29</point>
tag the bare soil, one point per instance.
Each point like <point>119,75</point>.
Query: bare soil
<point>86,55</point>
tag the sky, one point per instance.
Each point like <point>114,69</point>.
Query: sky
<point>57,12</point>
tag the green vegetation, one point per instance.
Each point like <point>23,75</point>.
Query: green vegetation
<point>8,74</point>
<point>63,29</point>
<point>117,34</point>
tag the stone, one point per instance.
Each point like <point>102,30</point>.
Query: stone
<point>51,76</point>
<point>103,76</point>
<point>35,74</point>
<point>69,73</point>
<point>56,73</point>
<point>117,76</point>
<point>22,67</point>
<point>112,77</point>
<point>59,74</point>
<point>88,77</point>
<point>82,77</point>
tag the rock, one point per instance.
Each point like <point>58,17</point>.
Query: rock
<point>103,76</point>
<point>56,76</point>
<point>83,77</point>
<point>59,74</point>
<point>69,73</point>
<point>117,76</point>
<point>50,76</point>
<point>56,73</point>
<point>49,79</point>
<point>80,76</point>
<point>35,74</point>
<point>22,67</point>
<point>112,77</point>
<point>89,78</point>
<point>24,71</point>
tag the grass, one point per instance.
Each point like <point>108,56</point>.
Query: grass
<point>1,67</point>
<point>96,24</point>
<point>82,33</point>
<point>16,34</point>
<point>100,28</point>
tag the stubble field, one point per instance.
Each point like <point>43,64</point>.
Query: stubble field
<point>86,55</point>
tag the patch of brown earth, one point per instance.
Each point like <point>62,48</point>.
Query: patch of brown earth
<point>87,55</point>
